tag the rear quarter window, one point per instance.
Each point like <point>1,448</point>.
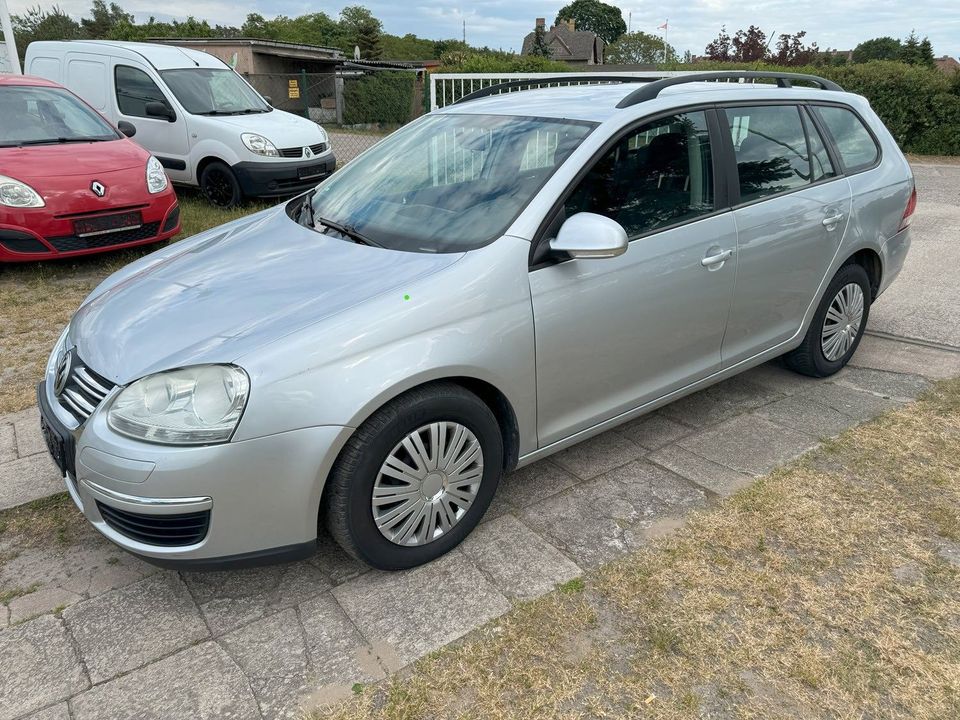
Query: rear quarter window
<point>853,141</point>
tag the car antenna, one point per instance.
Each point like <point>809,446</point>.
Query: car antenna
<point>188,57</point>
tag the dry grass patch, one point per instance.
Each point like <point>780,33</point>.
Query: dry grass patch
<point>38,299</point>
<point>828,589</point>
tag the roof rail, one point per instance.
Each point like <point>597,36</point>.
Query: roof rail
<point>784,80</point>
<point>581,78</point>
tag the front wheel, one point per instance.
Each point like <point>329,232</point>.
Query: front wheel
<point>415,478</point>
<point>220,185</point>
<point>837,326</point>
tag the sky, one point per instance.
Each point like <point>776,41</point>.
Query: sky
<point>503,23</point>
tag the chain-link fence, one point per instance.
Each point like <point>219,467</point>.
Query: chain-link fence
<point>356,108</point>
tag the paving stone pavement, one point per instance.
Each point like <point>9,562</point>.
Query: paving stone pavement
<point>100,634</point>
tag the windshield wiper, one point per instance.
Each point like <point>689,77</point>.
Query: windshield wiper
<point>306,216</point>
<point>248,111</point>
<point>60,141</point>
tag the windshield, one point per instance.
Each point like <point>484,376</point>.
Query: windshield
<point>212,91</point>
<point>31,115</point>
<point>446,183</point>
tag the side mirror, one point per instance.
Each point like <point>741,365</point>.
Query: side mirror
<point>128,129</point>
<point>269,100</point>
<point>588,235</point>
<point>156,109</point>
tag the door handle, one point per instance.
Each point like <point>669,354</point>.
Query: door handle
<point>716,259</point>
<point>832,220</point>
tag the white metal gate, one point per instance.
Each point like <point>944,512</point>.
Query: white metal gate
<point>447,88</point>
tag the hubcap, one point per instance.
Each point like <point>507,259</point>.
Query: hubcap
<point>842,324</point>
<point>427,483</point>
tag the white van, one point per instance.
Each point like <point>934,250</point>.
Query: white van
<point>205,123</point>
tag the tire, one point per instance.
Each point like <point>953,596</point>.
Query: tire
<point>220,186</point>
<point>816,356</point>
<point>348,498</point>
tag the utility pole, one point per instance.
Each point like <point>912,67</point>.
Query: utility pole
<point>629,21</point>
<point>464,29</point>
<point>12,57</point>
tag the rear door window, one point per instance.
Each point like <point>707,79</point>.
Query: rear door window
<point>770,148</point>
<point>821,165</point>
<point>856,145</point>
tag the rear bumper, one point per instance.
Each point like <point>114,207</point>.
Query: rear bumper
<point>268,179</point>
<point>38,235</point>
<point>893,254</point>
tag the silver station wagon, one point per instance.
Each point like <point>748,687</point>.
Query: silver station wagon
<point>488,285</point>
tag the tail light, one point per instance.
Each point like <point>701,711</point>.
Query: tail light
<point>911,208</point>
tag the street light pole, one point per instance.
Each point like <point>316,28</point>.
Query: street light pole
<point>7,28</point>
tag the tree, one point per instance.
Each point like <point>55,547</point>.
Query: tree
<point>597,17</point>
<point>638,48</point>
<point>792,51</point>
<point>915,51</point>
<point>540,47</point>
<point>881,48</point>
<point>38,24</point>
<point>750,45</point>
<point>104,19</point>
<point>721,47</point>
<point>361,29</point>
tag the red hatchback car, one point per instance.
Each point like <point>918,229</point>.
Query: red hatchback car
<point>70,182</point>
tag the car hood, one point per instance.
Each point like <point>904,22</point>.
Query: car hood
<point>281,128</point>
<point>231,290</point>
<point>70,160</point>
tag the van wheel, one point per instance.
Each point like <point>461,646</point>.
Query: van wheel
<point>415,478</point>
<point>220,185</point>
<point>837,326</point>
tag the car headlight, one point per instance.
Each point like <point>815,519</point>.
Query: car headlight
<point>156,176</point>
<point>323,134</point>
<point>192,406</point>
<point>259,145</point>
<point>14,193</point>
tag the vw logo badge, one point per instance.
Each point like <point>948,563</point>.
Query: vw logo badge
<point>98,189</point>
<point>307,152</point>
<point>62,373</point>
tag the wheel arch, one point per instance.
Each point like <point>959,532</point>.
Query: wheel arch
<point>870,260</point>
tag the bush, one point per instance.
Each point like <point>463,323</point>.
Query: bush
<point>382,97</point>
<point>469,62</point>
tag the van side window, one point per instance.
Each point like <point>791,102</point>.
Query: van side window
<point>856,146</point>
<point>771,149</point>
<point>134,90</point>
<point>659,175</point>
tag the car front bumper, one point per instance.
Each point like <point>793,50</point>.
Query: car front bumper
<point>275,179</point>
<point>36,234</point>
<point>235,504</point>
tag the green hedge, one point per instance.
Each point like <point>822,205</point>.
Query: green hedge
<point>381,97</point>
<point>920,106</point>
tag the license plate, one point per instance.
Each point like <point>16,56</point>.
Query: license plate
<point>55,444</point>
<point>306,173</point>
<point>107,224</point>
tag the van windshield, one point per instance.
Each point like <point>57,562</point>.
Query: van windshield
<point>445,183</point>
<point>31,115</point>
<point>213,91</point>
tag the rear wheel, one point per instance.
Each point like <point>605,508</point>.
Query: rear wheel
<point>837,326</point>
<point>220,186</point>
<point>415,478</point>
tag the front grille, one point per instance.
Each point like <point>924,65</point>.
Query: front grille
<point>296,152</point>
<point>164,530</point>
<point>67,243</point>
<point>83,390</point>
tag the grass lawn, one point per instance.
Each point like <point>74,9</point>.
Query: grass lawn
<point>37,299</point>
<point>829,589</point>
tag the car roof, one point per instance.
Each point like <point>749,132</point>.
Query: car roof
<point>29,80</point>
<point>161,57</point>
<point>597,103</point>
